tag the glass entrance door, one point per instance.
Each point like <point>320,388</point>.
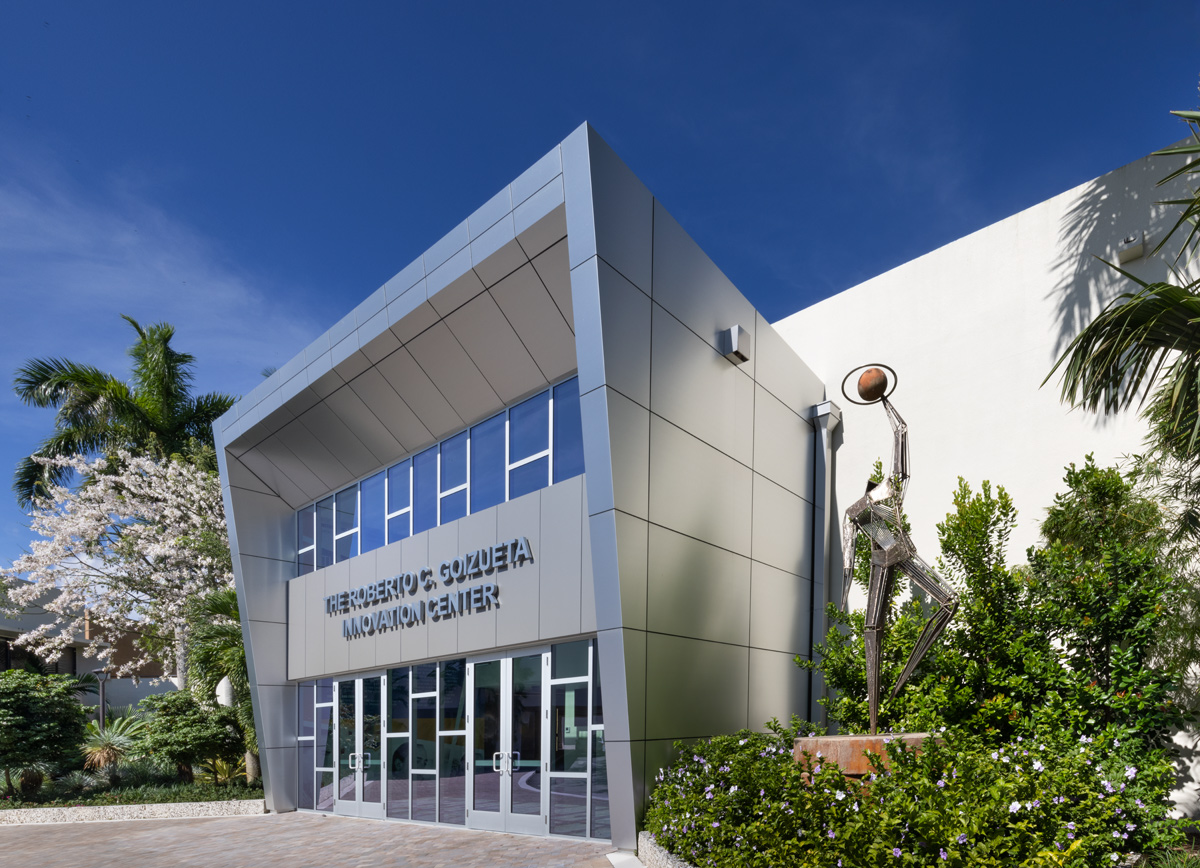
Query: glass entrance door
<point>507,770</point>
<point>360,760</point>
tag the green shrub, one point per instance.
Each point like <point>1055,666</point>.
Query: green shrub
<point>741,800</point>
<point>75,792</point>
<point>182,732</point>
<point>1068,642</point>
<point>41,721</point>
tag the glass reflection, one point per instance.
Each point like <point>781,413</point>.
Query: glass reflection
<point>526,782</point>
<point>568,806</point>
<point>452,775</point>
<point>424,755</point>
<point>346,739</point>
<point>488,761</point>
<point>568,714</point>
<point>600,824</point>
<point>305,775</point>
<point>371,758</point>
<point>397,789</point>
<point>398,705</point>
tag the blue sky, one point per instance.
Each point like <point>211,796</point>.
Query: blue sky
<point>251,171</point>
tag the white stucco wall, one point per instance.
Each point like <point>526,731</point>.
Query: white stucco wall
<point>972,329</point>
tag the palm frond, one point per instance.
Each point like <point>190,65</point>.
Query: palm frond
<point>162,376</point>
<point>50,382</point>
<point>1190,216</point>
<point>1116,361</point>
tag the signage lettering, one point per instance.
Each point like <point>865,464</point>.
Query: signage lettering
<point>457,602</point>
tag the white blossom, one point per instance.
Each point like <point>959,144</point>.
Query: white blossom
<point>125,553</point>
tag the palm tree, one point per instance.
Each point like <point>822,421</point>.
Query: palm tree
<point>104,750</point>
<point>98,413</point>
<point>216,652</point>
<point>1143,349</point>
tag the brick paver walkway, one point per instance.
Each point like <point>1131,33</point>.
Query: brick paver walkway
<point>285,841</point>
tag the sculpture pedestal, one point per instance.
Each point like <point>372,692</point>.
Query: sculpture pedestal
<point>848,752</point>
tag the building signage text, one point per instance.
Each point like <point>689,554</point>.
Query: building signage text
<point>454,603</point>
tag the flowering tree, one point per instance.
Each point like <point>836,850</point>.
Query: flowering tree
<point>127,552</point>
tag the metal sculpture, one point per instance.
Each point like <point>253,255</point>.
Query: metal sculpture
<point>878,516</point>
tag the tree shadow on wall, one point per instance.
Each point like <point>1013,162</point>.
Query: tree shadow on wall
<point>1107,210</point>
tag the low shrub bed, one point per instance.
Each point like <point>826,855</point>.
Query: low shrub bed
<point>742,800</point>
<point>146,794</point>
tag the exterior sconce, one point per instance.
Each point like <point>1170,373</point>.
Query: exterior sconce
<point>735,344</point>
<point>1131,247</point>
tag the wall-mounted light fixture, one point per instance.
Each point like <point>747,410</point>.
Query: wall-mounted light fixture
<point>735,344</point>
<point>1131,247</point>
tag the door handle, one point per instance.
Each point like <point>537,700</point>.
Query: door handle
<point>364,757</point>
<point>512,763</point>
<point>350,762</point>
<point>498,762</point>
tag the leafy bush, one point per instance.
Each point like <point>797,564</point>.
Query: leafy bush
<point>183,732</point>
<point>156,793</point>
<point>741,800</point>
<point>41,720</point>
<point>1067,642</point>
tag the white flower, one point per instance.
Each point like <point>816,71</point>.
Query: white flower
<point>840,795</point>
<point>1014,807</point>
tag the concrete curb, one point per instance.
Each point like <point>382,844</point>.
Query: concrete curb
<point>167,811</point>
<point>654,856</point>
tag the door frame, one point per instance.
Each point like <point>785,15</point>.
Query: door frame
<point>357,807</point>
<point>505,820</point>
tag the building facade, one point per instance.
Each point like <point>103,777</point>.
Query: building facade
<point>552,498</point>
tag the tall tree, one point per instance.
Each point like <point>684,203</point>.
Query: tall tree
<point>127,554</point>
<point>153,414</point>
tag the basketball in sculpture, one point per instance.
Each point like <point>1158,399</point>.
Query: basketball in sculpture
<point>872,385</point>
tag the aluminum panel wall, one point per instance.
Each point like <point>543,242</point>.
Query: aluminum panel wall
<point>674,581</point>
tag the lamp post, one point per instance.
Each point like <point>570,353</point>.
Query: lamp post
<point>101,676</point>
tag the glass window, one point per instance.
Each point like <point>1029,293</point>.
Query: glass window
<point>569,715</point>
<point>568,811</point>
<point>305,694</point>
<point>528,477</point>
<point>568,431</point>
<point>325,791</point>
<point>424,745</point>
<point>529,428</point>
<point>324,737</point>
<point>398,696</point>
<point>305,774</point>
<point>346,547</point>
<point>452,776</point>
<point>346,507</point>
<point>569,659</point>
<point>398,527</point>
<point>372,518</point>
<point>325,690</point>
<point>600,823</point>
<point>324,533</point>
<point>487,463</point>
<point>424,795</point>
<point>453,695</point>
<point>425,490</point>
<point>465,473</point>
<point>424,678</point>
<point>454,461</point>
<point>398,487</point>
<point>454,506</point>
<point>397,786</point>
<point>304,527</point>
